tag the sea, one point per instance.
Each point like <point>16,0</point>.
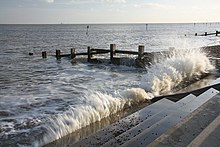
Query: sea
<point>45,100</point>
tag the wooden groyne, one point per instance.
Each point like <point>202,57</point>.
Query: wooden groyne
<point>92,51</point>
<point>207,34</point>
<point>143,58</point>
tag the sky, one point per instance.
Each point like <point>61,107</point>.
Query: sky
<point>108,11</point>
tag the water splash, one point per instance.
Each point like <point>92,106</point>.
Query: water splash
<point>96,107</point>
<point>182,65</point>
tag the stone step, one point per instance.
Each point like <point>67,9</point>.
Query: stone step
<point>210,136</point>
<point>126,136</point>
<point>191,126</point>
<point>115,129</point>
<point>216,81</point>
<point>150,134</point>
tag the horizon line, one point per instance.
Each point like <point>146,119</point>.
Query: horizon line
<point>94,23</point>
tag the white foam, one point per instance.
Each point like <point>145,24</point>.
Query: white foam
<point>96,107</point>
<point>161,78</point>
<point>183,65</point>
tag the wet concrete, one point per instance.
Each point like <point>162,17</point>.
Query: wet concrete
<point>190,127</point>
<point>176,97</point>
<point>212,51</point>
<point>156,130</point>
<point>121,126</point>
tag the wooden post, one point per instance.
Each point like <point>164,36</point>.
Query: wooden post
<point>140,51</point>
<point>216,33</point>
<point>205,33</point>
<point>73,53</point>
<point>44,54</point>
<point>87,32</point>
<point>196,34</point>
<point>58,54</point>
<point>112,51</point>
<point>89,54</point>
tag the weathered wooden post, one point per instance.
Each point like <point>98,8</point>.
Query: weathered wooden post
<point>205,33</point>
<point>196,34</point>
<point>58,54</point>
<point>87,32</point>
<point>73,53</point>
<point>44,54</point>
<point>216,33</point>
<point>89,54</point>
<point>112,51</point>
<point>140,51</point>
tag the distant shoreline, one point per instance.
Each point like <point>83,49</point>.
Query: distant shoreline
<point>113,23</point>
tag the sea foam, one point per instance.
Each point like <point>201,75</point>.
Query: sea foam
<point>161,78</point>
<point>183,65</point>
<point>96,107</point>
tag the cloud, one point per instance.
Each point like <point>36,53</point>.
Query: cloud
<point>153,5</point>
<point>70,2</point>
<point>50,1</point>
<point>115,1</point>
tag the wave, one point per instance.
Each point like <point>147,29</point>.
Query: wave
<point>182,65</point>
<point>96,107</point>
<point>161,78</point>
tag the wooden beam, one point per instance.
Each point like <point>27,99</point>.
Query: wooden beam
<point>44,54</point>
<point>73,53</point>
<point>112,51</point>
<point>101,50</point>
<point>126,52</point>
<point>89,54</point>
<point>58,54</point>
<point>140,51</point>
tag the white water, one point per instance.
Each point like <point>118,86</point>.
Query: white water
<point>183,65</point>
<point>96,107</point>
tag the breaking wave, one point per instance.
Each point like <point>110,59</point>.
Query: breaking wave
<point>183,65</point>
<point>161,78</point>
<point>96,107</point>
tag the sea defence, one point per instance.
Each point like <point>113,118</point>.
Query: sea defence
<point>118,57</point>
<point>207,34</point>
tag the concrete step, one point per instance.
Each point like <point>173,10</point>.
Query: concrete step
<point>191,126</point>
<point>217,81</point>
<point>210,136</point>
<point>150,134</point>
<point>178,96</point>
<point>124,124</point>
<point>126,136</point>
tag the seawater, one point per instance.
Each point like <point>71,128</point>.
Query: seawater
<point>42,100</point>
